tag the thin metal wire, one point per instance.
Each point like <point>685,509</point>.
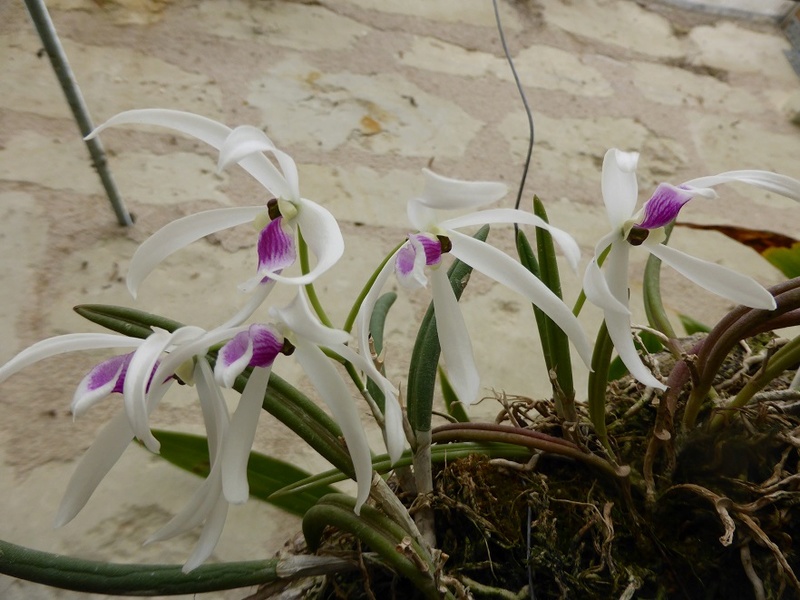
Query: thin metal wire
<point>525,104</point>
<point>58,58</point>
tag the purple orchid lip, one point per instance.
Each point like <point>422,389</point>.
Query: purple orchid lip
<point>114,368</point>
<point>664,205</point>
<point>406,256</point>
<point>276,249</point>
<point>262,342</point>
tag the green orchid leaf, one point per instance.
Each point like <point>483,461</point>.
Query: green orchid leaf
<point>425,356</point>
<point>527,258</point>
<point>692,326</point>
<point>264,473</point>
<point>97,577</point>
<point>124,320</point>
<point>557,340</point>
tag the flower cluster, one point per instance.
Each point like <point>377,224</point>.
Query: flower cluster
<point>240,348</point>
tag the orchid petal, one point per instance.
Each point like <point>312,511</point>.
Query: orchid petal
<point>233,359</point>
<point>212,530</point>
<point>502,268</point>
<point>329,385</point>
<point>208,496</point>
<point>454,339</point>
<point>596,286</point>
<point>324,238</point>
<point>207,130</point>
<point>179,234</point>
<point>140,371</point>
<point>62,344</point>
<point>666,202</point>
<point>297,317</point>
<point>276,249</point>
<point>253,303</point>
<point>241,433</point>
<point>420,216</point>
<point>619,329</point>
<point>446,193</point>
<point>565,241</point>
<point>393,415</point>
<point>715,278</point>
<point>410,264</point>
<point>104,379</point>
<point>197,343</point>
<point>597,292</point>
<point>619,186</point>
<point>368,304</point>
<point>103,454</point>
<point>246,140</point>
<point>766,180</point>
<point>215,411</point>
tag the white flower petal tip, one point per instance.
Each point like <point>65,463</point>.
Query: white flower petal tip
<point>449,194</point>
<point>625,161</point>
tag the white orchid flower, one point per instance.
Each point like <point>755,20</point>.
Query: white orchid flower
<point>608,288</point>
<point>278,220</point>
<point>435,237</point>
<point>299,333</point>
<point>142,377</point>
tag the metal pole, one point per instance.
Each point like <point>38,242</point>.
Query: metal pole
<point>52,45</point>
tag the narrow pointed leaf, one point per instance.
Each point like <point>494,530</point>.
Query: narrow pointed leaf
<point>557,340</point>
<point>528,260</point>
<point>99,577</point>
<point>124,320</point>
<point>692,325</point>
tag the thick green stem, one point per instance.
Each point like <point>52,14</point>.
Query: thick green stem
<point>95,577</point>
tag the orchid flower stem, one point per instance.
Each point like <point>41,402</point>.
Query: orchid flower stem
<point>653,305</point>
<point>353,314</point>
<point>302,251</point>
<point>782,360</point>
<point>576,310</point>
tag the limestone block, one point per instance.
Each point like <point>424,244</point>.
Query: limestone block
<point>111,80</point>
<point>383,113</point>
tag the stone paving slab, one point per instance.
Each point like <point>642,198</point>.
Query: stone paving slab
<point>363,94</point>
